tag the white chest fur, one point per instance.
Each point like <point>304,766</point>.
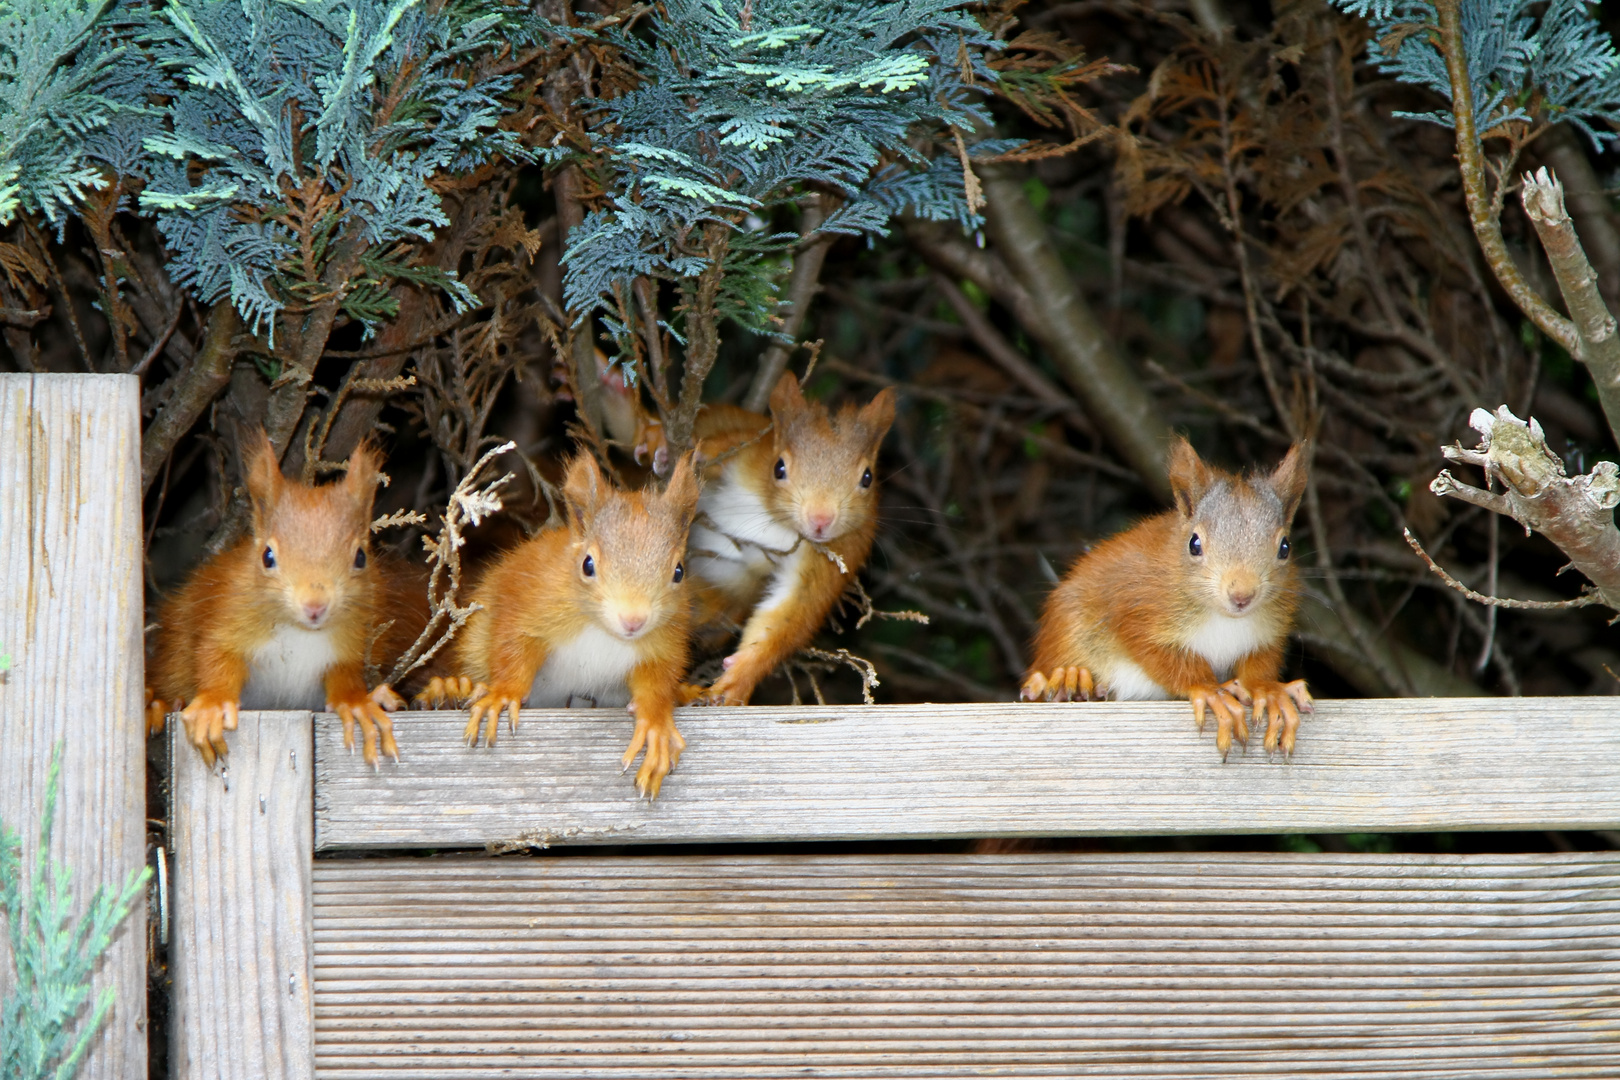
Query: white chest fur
<point>736,541</point>
<point>288,671</point>
<point>589,670</point>
<point>1223,641</point>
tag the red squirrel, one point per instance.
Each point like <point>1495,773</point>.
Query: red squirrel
<point>596,612</point>
<point>283,619</point>
<point>786,521</point>
<point>1196,603</point>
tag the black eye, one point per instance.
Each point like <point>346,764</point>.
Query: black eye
<point>589,567</point>
<point>866,478</point>
<point>269,559</point>
<point>1282,549</point>
<point>680,572</point>
<point>781,469</point>
<point>1195,545</point>
<point>360,558</point>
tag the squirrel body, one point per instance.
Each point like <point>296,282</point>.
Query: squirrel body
<point>787,518</point>
<point>1196,602</point>
<point>594,612</point>
<point>283,618</point>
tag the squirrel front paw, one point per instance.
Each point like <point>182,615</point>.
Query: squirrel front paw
<point>443,690</point>
<point>386,699</point>
<point>1228,710</point>
<point>735,684</point>
<point>1279,704</point>
<point>1064,684</point>
<point>488,708</point>
<point>373,721</point>
<point>207,719</point>
<point>156,711</point>
<point>663,744</point>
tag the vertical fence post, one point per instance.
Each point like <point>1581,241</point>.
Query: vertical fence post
<point>70,620</point>
<point>240,947</point>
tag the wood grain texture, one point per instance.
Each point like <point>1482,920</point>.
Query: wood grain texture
<point>778,774</point>
<point>70,618</point>
<point>1007,965</point>
<point>240,944</point>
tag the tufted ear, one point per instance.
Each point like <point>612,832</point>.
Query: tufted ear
<point>365,469</point>
<point>582,490</point>
<point>787,399</point>
<point>262,473</point>
<point>1189,476</point>
<point>877,416</point>
<point>1288,478</point>
<point>681,493</point>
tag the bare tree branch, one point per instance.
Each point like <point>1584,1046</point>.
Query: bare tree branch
<point>1586,600</point>
<point>802,288</point>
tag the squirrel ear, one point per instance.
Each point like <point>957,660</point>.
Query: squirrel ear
<point>787,398</point>
<point>262,473</point>
<point>1288,478</point>
<point>1189,476</point>
<point>365,468</point>
<point>877,416</point>
<point>582,489</point>
<point>682,490</point>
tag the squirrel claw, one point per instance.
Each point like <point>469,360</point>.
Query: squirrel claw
<point>442,690</point>
<point>487,709</point>
<point>1280,705</point>
<point>663,745</point>
<point>1228,711</point>
<point>375,726</point>
<point>207,719</point>
<point>386,699</point>
<point>157,711</point>
<point>1064,684</point>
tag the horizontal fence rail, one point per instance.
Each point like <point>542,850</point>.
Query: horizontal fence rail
<point>937,771</point>
<point>1007,965</point>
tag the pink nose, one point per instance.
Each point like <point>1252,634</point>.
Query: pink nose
<point>820,522</point>
<point>632,623</point>
<point>1240,600</point>
<point>315,611</point>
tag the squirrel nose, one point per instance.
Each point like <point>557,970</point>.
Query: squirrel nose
<point>632,623</point>
<point>315,610</point>
<point>820,521</point>
<point>1241,600</point>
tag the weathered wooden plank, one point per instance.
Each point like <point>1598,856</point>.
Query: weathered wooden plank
<point>70,618</point>
<point>1009,965</point>
<point>240,951</point>
<point>828,773</point>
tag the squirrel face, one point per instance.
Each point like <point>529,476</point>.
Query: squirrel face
<point>1233,540</point>
<point>311,543</point>
<point>822,479</point>
<point>629,547</point>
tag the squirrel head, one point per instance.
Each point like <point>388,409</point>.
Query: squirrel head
<point>1233,538</point>
<point>629,546</point>
<point>822,476</point>
<point>311,545</point>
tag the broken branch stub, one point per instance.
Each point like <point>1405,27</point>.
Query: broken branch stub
<point>1575,512</point>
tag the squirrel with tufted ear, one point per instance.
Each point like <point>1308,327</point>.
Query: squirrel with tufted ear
<point>787,518</point>
<point>1196,603</point>
<point>284,619</point>
<point>594,613</point>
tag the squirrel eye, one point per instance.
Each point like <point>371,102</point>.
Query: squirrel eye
<point>359,558</point>
<point>680,572</point>
<point>1195,545</point>
<point>589,567</point>
<point>1282,549</point>
<point>269,559</point>
<point>781,469</point>
<point>866,478</point>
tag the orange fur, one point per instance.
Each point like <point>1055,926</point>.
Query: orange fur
<point>775,553</point>
<point>538,602</point>
<point>1142,616</point>
<point>215,628</point>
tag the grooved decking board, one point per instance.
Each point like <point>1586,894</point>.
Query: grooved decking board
<point>830,773</point>
<point>70,618</point>
<point>240,953</point>
<point>1005,965</point>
